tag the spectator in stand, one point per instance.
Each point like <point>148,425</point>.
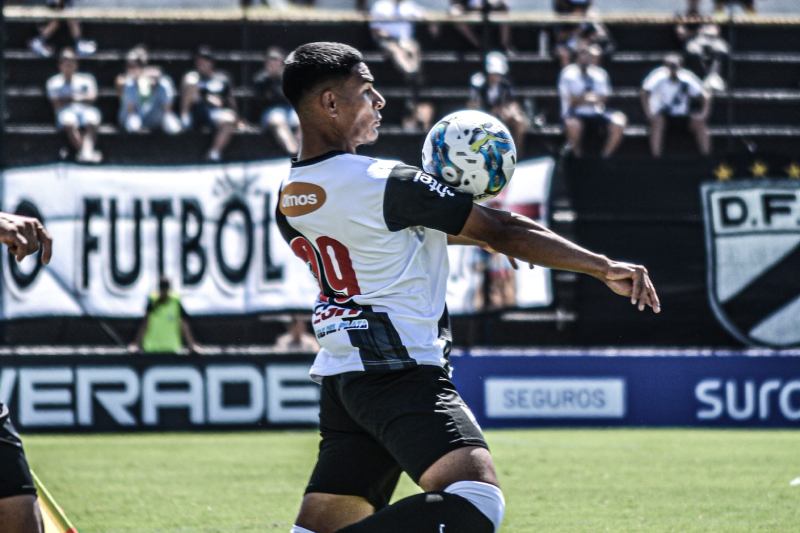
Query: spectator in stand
<point>707,51</point>
<point>584,88</point>
<point>462,7</point>
<point>39,44</point>
<point>278,117</point>
<point>207,101</point>
<point>674,99</point>
<point>571,36</point>
<point>494,94</point>
<point>146,95</point>
<point>392,29</point>
<point>297,338</point>
<point>71,93</point>
<point>165,324</point>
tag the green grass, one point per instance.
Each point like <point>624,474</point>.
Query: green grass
<point>554,480</point>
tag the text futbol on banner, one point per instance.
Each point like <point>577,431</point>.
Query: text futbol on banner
<point>209,228</point>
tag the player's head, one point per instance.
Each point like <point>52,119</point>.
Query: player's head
<point>163,286</point>
<point>67,62</point>
<point>673,62</point>
<point>273,61</point>
<point>331,89</point>
<point>204,60</point>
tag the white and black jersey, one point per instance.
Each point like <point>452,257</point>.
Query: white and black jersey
<point>374,233</point>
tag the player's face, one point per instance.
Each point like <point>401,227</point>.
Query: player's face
<point>359,105</point>
<point>68,66</point>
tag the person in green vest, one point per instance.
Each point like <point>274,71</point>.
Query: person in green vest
<point>165,325</point>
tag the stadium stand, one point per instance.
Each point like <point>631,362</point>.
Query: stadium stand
<point>758,112</point>
<point>758,105</point>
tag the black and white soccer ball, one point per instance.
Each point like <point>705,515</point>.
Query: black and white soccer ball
<point>471,151</point>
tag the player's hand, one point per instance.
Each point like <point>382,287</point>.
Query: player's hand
<point>633,281</point>
<point>24,236</point>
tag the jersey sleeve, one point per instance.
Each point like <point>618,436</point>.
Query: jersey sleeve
<point>414,198</point>
<point>652,79</point>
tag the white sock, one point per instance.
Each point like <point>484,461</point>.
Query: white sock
<point>487,498</point>
<point>298,529</point>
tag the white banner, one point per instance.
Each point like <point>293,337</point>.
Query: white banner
<point>209,228</point>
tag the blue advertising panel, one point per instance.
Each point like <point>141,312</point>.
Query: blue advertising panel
<point>648,389</point>
<point>68,393</point>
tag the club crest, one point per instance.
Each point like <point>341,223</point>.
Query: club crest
<point>752,233</point>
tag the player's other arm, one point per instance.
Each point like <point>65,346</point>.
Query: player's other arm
<point>24,236</point>
<point>524,239</point>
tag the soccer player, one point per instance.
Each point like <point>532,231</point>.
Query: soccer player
<point>375,235</point>
<point>19,512</point>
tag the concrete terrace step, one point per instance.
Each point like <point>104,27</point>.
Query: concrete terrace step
<point>26,104</point>
<point>440,68</point>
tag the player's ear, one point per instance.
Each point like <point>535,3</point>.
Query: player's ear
<point>327,99</point>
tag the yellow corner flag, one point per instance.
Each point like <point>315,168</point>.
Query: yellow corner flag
<point>55,521</point>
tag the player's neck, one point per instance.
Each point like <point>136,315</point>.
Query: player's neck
<point>316,144</point>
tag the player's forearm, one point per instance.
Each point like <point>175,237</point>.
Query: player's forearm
<point>524,239</point>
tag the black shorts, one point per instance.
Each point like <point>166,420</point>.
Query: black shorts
<point>677,123</point>
<point>376,425</point>
<point>15,475</point>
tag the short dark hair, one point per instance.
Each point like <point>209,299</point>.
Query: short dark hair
<point>314,63</point>
<point>204,51</point>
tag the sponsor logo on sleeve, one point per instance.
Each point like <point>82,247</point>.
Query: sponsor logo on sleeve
<point>299,198</point>
<point>433,184</point>
<point>555,398</point>
<point>753,257</point>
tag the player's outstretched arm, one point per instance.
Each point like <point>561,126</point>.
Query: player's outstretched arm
<point>24,235</point>
<point>521,237</point>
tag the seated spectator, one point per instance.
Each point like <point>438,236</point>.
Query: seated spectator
<point>297,338</point>
<point>494,94</point>
<point>207,102</point>
<point>688,23</point>
<point>707,51</point>
<point>278,116</point>
<point>584,88</point>
<point>571,37</point>
<point>393,30</point>
<point>71,93</point>
<point>674,99</point>
<point>462,7</point>
<point>146,96</point>
<point>39,44</point>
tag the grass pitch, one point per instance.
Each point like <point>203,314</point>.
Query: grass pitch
<point>554,480</point>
